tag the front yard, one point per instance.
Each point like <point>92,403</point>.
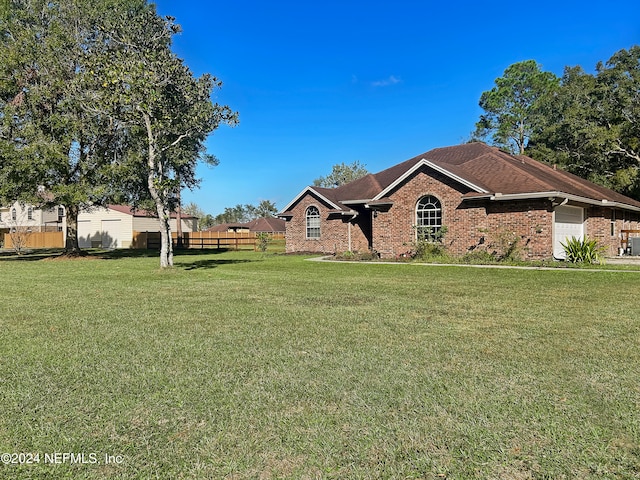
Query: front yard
<point>244,365</point>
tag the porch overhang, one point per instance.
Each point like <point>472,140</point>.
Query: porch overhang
<point>344,213</point>
<point>381,204</point>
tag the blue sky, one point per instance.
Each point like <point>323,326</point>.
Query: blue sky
<point>318,83</point>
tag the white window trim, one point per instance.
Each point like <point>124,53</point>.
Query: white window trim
<point>309,227</point>
<point>437,210</point>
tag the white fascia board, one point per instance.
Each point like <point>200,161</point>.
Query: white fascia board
<point>624,206</point>
<point>523,196</point>
<point>354,202</point>
<point>303,193</point>
<point>568,196</point>
<point>444,171</point>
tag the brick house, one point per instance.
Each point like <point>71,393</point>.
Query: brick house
<point>478,192</point>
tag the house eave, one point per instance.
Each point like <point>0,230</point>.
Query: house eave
<point>553,195</point>
<point>302,194</point>
<point>344,213</point>
<point>379,204</point>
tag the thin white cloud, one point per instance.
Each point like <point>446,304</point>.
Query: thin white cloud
<point>392,80</point>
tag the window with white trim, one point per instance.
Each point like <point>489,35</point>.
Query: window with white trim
<point>313,222</point>
<point>428,218</point>
<point>30,213</point>
<point>14,214</point>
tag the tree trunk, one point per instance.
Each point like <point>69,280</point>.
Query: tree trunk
<point>155,171</point>
<point>166,247</point>
<point>71,245</point>
<point>179,219</point>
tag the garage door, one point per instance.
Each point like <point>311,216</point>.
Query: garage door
<point>111,233</point>
<point>569,222</point>
<point>84,233</point>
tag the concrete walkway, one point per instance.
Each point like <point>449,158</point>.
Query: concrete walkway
<point>624,260</point>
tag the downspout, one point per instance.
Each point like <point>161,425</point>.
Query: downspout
<point>349,234</point>
<point>373,216</point>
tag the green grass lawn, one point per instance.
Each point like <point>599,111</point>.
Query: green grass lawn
<point>242,365</point>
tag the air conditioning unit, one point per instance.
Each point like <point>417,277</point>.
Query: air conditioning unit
<point>634,243</point>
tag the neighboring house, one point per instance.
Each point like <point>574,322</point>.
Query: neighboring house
<point>478,192</point>
<point>267,225</point>
<point>228,227</point>
<point>113,226</point>
<point>31,219</point>
<point>259,225</point>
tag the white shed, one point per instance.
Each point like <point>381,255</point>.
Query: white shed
<point>113,226</point>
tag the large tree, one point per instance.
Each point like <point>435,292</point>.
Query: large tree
<point>592,123</point>
<point>94,106</point>
<point>245,213</point>
<point>620,79</point>
<point>265,209</point>
<point>53,146</point>
<point>341,174</point>
<point>205,220</point>
<point>166,111</point>
<point>511,107</point>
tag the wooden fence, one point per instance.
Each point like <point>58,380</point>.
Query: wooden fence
<point>235,240</point>
<point>148,240</point>
<point>34,240</point>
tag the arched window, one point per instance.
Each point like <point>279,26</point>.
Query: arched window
<point>30,213</point>
<point>313,222</point>
<point>14,214</point>
<point>428,218</point>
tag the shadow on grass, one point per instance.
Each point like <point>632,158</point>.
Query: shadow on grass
<point>30,255</point>
<point>140,253</point>
<point>99,254</point>
<point>183,258</point>
<point>57,253</point>
<point>210,263</point>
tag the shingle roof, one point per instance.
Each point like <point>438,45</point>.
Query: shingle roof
<point>483,169</point>
<point>270,224</point>
<point>500,172</point>
<point>225,227</point>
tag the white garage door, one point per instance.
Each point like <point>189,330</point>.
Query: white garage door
<point>84,233</point>
<point>569,222</point>
<point>111,233</point>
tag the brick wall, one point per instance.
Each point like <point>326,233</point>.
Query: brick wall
<point>480,224</point>
<point>530,221</point>
<point>334,230</point>
<point>470,225</point>
<point>393,231</point>
<point>605,225</point>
